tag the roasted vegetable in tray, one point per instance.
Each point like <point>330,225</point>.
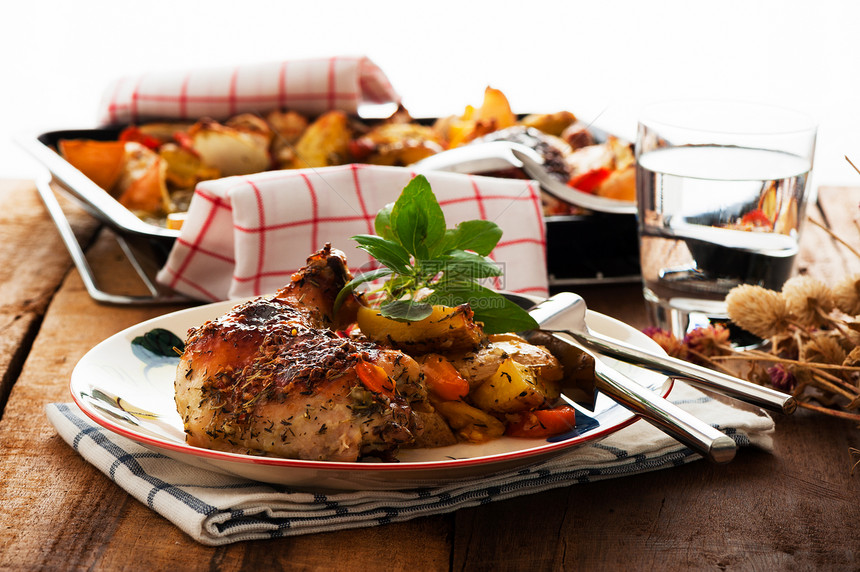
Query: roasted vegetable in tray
<point>152,168</point>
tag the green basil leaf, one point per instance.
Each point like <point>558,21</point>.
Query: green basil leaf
<point>385,251</point>
<point>480,236</point>
<point>416,219</point>
<point>382,223</point>
<point>399,286</point>
<point>161,342</point>
<point>462,265</point>
<point>497,313</point>
<point>406,310</point>
<point>363,278</point>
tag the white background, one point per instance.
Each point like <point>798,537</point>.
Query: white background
<point>602,59</point>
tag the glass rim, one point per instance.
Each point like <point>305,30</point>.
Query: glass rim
<point>667,113</point>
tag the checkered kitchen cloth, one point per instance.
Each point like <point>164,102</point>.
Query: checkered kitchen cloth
<point>310,86</point>
<point>216,509</point>
<point>245,236</point>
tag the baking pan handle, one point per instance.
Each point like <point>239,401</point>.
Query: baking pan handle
<point>79,258</point>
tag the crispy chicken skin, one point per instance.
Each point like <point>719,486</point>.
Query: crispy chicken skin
<point>272,377</point>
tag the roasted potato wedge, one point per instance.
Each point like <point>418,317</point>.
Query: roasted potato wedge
<point>397,144</point>
<point>324,143</point>
<point>479,365</point>
<point>446,329</point>
<point>232,151</point>
<point>550,123</point>
<point>435,431</point>
<point>494,114</point>
<point>184,168</point>
<point>542,362</point>
<point>469,422</point>
<point>514,387</point>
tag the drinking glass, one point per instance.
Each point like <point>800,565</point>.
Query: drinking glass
<point>721,189</point>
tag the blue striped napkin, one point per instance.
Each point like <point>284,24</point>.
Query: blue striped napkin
<point>217,509</point>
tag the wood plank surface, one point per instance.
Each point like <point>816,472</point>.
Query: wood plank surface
<point>794,509</point>
<point>32,264</point>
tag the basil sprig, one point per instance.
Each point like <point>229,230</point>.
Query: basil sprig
<point>427,263</point>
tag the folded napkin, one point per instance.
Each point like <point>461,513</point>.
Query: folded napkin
<point>215,509</point>
<point>244,236</point>
<point>309,86</point>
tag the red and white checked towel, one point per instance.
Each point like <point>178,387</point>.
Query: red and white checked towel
<point>309,86</point>
<point>244,236</point>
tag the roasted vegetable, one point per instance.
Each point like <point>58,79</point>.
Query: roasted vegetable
<point>324,143</point>
<point>514,387</point>
<point>232,151</point>
<point>435,431</point>
<point>541,423</point>
<point>184,167</point>
<point>100,161</point>
<point>493,114</point>
<point>442,378</point>
<point>141,187</point>
<point>550,123</point>
<point>446,329</point>
<point>469,422</point>
<point>538,358</point>
<point>397,144</point>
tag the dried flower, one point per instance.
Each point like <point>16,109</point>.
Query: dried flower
<point>666,340</point>
<point>846,295</point>
<point>708,341</point>
<point>809,300</point>
<point>758,310</point>
<point>812,350</point>
<point>781,378</point>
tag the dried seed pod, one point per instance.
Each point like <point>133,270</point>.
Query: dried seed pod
<point>758,310</point>
<point>824,347</point>
<point>846,295</point>
<point>809,300</point>
<point>853,358</point>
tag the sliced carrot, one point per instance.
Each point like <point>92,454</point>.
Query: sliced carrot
<point>374,378</point>
<point>541,423</point>
<point>442,378</point>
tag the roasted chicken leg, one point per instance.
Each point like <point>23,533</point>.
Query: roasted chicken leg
<point>272,377</point>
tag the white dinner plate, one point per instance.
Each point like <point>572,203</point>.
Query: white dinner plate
<point>129,391</point>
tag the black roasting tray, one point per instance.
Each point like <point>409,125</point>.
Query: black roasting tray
<point>590,248</point>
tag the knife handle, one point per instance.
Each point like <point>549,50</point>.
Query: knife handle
<point>691,373</point>
<point>668,417</point>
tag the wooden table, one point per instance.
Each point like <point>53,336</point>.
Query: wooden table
<point>795,509</point>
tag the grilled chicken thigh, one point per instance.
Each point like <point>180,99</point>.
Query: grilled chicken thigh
<point>271,377</point>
